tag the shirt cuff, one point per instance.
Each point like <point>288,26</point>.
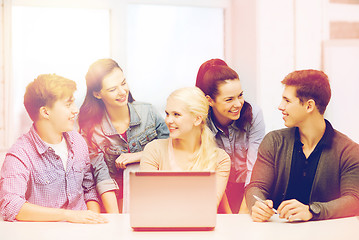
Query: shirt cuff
<point>106,185</point>
<point>91,196</point>
<point>12,209</point>
<point>248,178</point>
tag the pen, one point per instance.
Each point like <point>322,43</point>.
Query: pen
<point>261,200</point>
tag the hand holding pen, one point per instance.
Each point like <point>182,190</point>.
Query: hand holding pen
<point>262,210</point>
<point>261,200</point>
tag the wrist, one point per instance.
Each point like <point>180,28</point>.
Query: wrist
<point>138,156</point>
<point>315,210</point>
<point>64,213</point>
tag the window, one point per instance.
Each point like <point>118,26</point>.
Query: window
<point>64,41</point>
<point>166,46</point>
<point>160,47</point>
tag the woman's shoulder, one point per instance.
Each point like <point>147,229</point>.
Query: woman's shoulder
<point>222,155</point>
<point>223,159</point>
<point>139,104</point>
<point>143,108</point>
<point>157,144</point>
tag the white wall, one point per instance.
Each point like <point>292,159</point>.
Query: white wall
<point>341,63</point>
<point>310,31</point>
<point>263,45</point>
<point>275,54</point>
<point>244,44</point>
<point>2,93</point>
<point>2,88</point>
<point>274,38</point>
<point>2,157</point>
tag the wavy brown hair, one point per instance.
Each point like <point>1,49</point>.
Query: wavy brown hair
<point>93,109</point>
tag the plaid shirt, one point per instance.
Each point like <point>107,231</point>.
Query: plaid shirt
<point>33,173</point>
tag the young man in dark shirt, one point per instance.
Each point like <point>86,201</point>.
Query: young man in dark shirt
<point>309,171</point>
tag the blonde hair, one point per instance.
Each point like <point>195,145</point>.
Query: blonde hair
<point>45,90</point>
<point>197,104</point>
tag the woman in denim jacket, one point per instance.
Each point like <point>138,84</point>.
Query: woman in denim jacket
<point>237,125</point>
<point>116,129</point>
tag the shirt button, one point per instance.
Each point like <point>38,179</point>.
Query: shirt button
<point>133,144</point>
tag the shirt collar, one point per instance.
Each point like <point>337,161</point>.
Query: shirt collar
<point>135,118</point>
<point>213,126</point>
<point>42,146</point>
<point>325,141</point>
<point>107,127</point>
<point>327,138</point>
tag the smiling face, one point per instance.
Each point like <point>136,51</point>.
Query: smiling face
<point>228,103</point>
<point>294,111</point>
<point>62,114</point>
<point>178,119</point>
<point>114,92</point>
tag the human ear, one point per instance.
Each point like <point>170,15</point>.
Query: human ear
<point>310,105</point>
<point>97,95</point>
<point>43,112</point>
<point>210,100</point>
<point>198,120</point>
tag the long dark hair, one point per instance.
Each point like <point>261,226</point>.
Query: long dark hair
<point>93,109</point>
<point>211,75</point>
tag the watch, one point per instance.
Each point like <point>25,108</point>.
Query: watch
<point>314,209</point>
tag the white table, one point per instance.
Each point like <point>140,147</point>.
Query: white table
<point>239,227</point>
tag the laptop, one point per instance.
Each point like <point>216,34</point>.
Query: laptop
<point>163,200</point>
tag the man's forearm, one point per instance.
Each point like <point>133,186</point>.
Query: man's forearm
<point>35,213</point>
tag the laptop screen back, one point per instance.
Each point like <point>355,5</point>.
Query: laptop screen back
<point>173,200</point>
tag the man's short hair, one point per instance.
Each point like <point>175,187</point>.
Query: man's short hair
<point>45,90</point>
<point>310,84</point>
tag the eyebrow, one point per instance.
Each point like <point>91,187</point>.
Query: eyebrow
<point>110,88</point>
<point>285,98</point>
<point>233,96</point>
<point>115,86</point>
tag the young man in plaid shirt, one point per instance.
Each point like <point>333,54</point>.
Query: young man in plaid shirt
<point>46,175</point>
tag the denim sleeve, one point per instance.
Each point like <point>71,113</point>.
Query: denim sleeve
<point>89,183</point>
<point>161,127</point>
<point>103,180</point>
<point>255,137</point>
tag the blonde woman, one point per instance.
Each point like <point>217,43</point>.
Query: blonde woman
<point>191,145</point>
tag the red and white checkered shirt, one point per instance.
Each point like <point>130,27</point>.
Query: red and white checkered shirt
<point>33,173</point>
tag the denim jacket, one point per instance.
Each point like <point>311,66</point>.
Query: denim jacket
<point>145,125</point>
<point>241,146</point>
